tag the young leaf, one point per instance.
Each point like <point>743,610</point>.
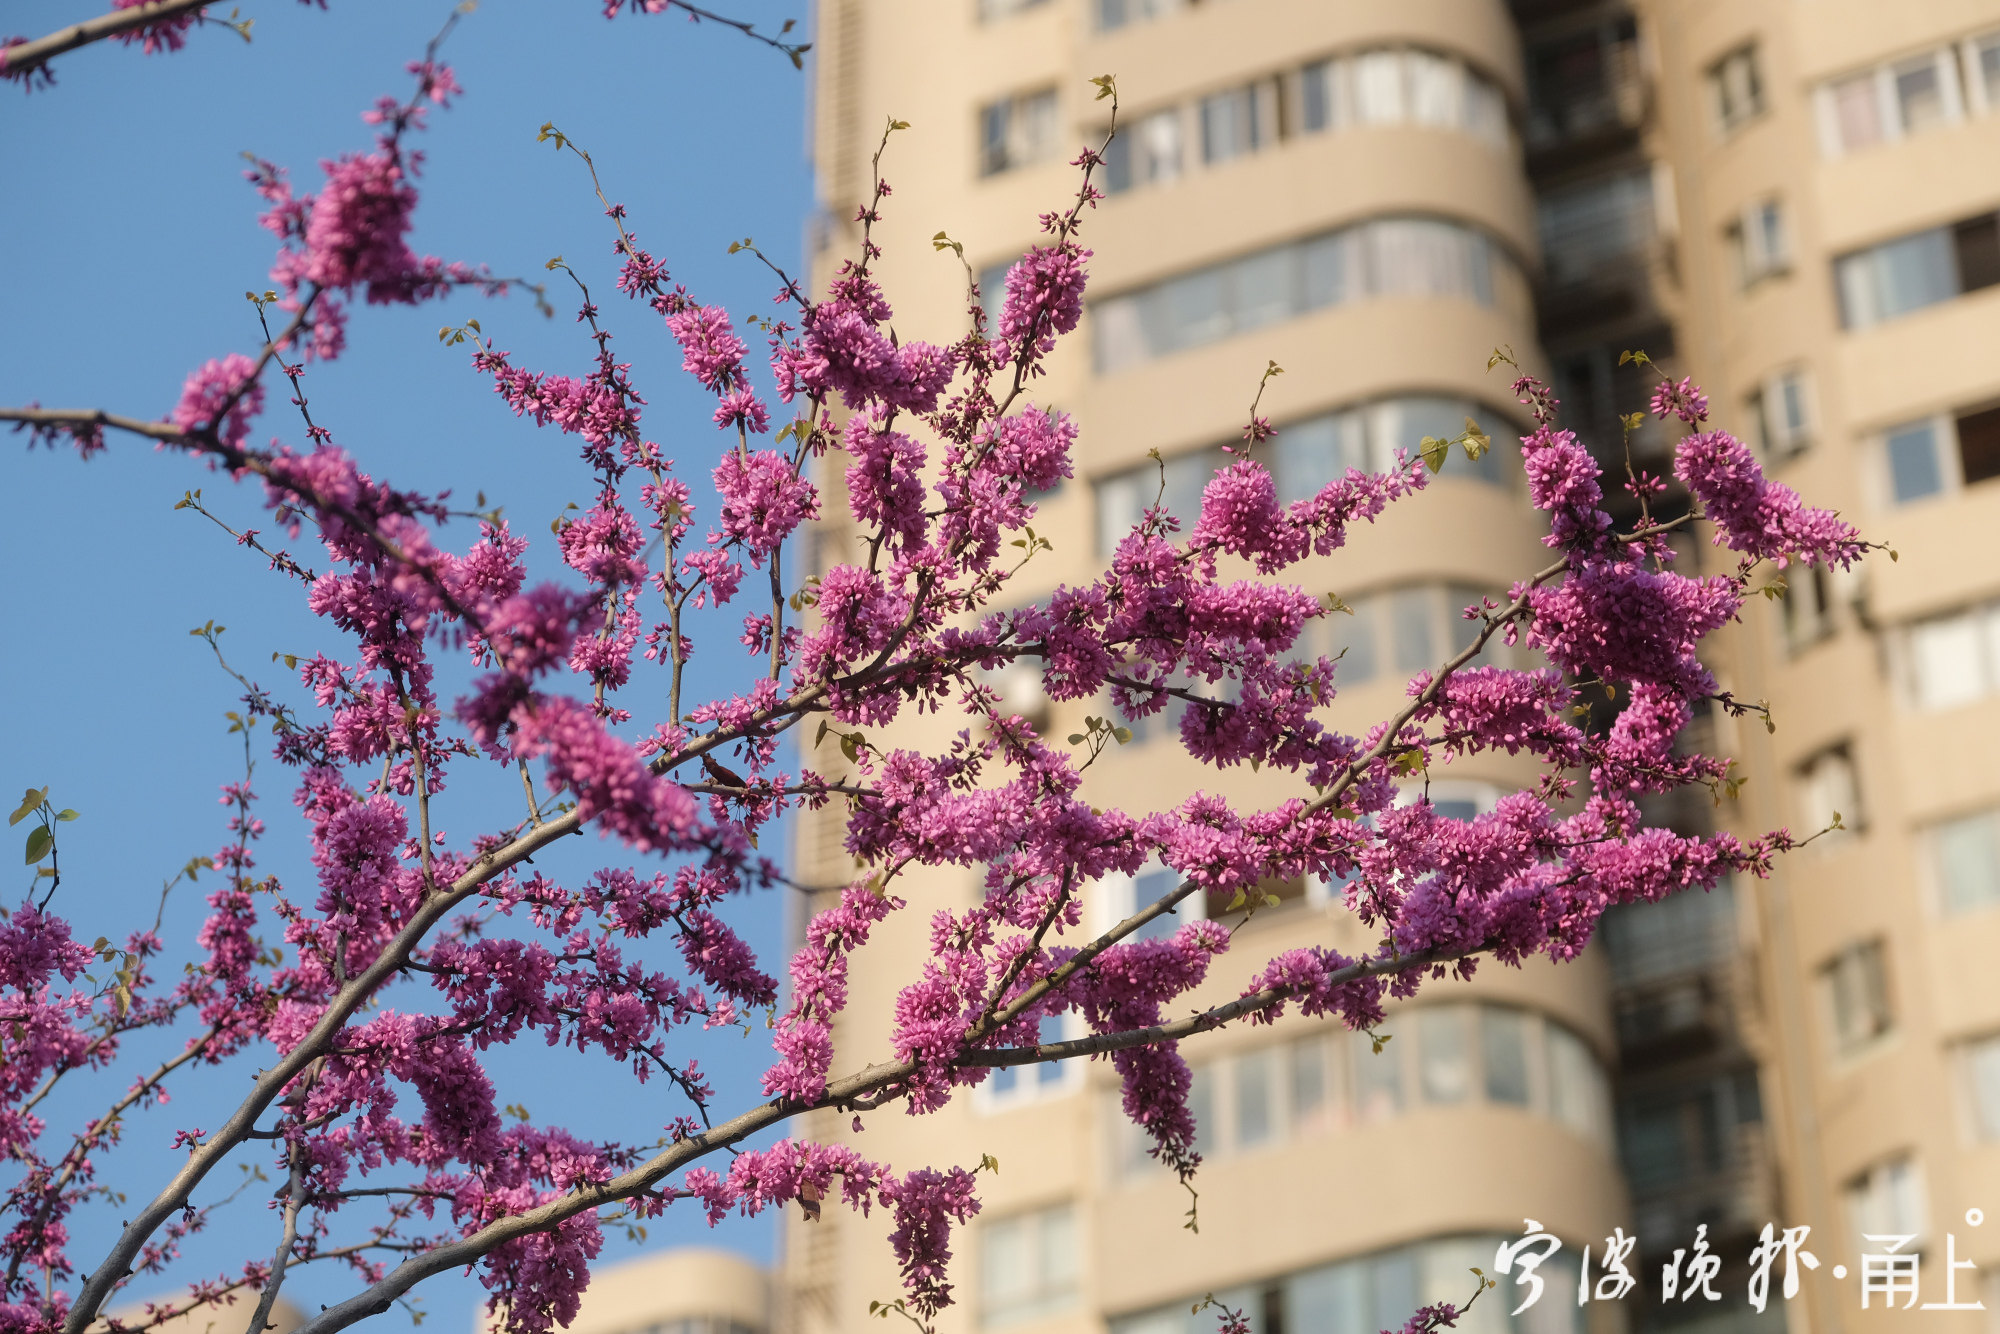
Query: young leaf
<point>40,840</point>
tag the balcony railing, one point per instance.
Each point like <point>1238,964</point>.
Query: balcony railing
<point>1588,90</point>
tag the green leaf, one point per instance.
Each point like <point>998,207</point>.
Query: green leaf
<point>29,800</point>
<point>65,815</point>
<point>1476,441</point>
<point>1121,734</point>
<point>1076,738</point>
<point>40,840</point>
<point>1434,451</point>
<point>1106,85</point>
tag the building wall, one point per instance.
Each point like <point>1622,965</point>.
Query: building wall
<point>1815,1118</point>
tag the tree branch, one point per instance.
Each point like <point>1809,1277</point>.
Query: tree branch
<point>24,58</point>
<point>378,1298</point>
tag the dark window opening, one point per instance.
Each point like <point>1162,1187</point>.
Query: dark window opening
<point>1979,446</point>
<point>1975,244</point>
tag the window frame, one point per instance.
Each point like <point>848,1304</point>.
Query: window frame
<point>1770,392</point>
<point>1004,155</point>
<point>1863,963</point>
<point>1047,1299</point>
<point>1728,120</point>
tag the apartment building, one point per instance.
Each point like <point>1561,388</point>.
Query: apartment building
<point>1793,200</point>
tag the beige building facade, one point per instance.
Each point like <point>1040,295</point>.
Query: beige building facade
<point>1792,200</point>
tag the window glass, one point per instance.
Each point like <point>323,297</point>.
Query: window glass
<point>1307,1070</point>
<point>1394,1280</point>
<point>1444,1054</point>
<point>1148,887</point>
<point>1858,991</point>
<point>1255,1073</point>
<point>1412,616</point>
<point>1265,287</point>
<point>1378,88</point>
<point>1028,1265</point>
<point>1332,1298</point>
<point>1947,661</point>
<point>1158,151</point>
<point>1914,467</point>
<point>1231,125</point>
<point>1378,1077</point>
<point>1503,1040</point>
<point>1857,110</point>
<point>1897,277</point>
<point>1194,308</point>
<point>1737,91</point>
<point>1319,100</point>
<point>1920,95</point>
<point>1437,89</point>
<point>1333,270</point>
<point>1387,257</point>
<point>1352,639</point>
<point>1578,1095</point>
<point>1966,856</point>
<point>1888,1200</point>
<point>1310,454</point>
<point>1201,1106</point>
<point>1982,1072</point>
<point>1989,70</point>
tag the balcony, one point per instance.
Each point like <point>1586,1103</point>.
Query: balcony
<point>1734,1197</point>
<point>1588,96</point>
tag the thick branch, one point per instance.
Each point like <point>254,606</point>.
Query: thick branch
<point>378,1298</point>
<point>273,1081</point>
<point>25,57</point>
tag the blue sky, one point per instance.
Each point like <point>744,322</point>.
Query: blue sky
<point>133,238</point>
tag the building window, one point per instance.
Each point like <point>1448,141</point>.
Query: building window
<point>1121,895</point>
<point>1954,659</point>
<point>1396,87</point>
<point>1028,1265</point>
<point>1017,131</point>
<point>1781,414</point>
<point>1114,14</point>
<point>1409,630</point>
<point>1757,239</point>
<point>1147,154</point>
<point>1305,457</point>
<point>1890,102</point>
<point>1940,454</point>
<point>990,10</point>
<point>1828,791</point>
<point>1806,607</point>
<point>1238,121</point>
<point>1965,861</point>
<point>1386,257</point>
<point>1266,1097</point>
<point>1016,1085</point>
<point>1888,1200</point>
<point>1856,987</point>
<point>1379,1291</point>
<point>1735,90</point>
<point>1922,269</point>
<point>1980,1062</point>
